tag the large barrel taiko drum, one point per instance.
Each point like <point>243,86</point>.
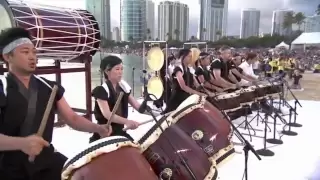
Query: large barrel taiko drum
<point>110,158</point>
<point>58,33</point>
<point>206,126</point>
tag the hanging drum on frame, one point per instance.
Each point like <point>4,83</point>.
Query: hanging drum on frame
<point>58,33</point>
<point>155,61</point>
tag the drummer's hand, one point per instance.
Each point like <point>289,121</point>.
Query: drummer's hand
<point>238,86</point>
<point>219,90</point>
<point>131,124</point>
<point>255,83</point>
<point>32,145</point>
<point>234,86</point>
<point>104,131</point>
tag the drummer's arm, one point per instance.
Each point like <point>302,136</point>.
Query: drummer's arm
<point>105,110</point>
<point>232,78</point>
<point>222,82</point>
<point>133,102</point>
<point>242,76</point>
<point>183,85</point>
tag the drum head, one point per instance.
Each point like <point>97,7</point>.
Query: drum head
<point>155,59</point>
<point>155,87</point>
<point>193,99</point>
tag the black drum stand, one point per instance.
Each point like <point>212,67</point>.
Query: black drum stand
<point>289,132</point>
<point>246,123</point>
<point>264,151</point>
<point>274,140</point>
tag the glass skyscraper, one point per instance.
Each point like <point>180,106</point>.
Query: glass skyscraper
<point>133,24</point>
<point>101,11</point>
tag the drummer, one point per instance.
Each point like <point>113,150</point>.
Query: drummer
<point>220,69</point>
<point>23,100</point>
<point>183,84</point>
<point>106,96</point>
<point>243,71</point>
<point>203,75</point>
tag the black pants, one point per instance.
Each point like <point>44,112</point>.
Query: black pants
<point>51,172</point>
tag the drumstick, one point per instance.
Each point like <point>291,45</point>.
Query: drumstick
<point>46,114</point>
<point>142,123</point>
<point>115,108</point>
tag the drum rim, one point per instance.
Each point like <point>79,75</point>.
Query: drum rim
<point>228,95</point>
<point>94,146</point>
<point>6,5</point>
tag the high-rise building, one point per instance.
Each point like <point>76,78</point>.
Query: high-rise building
<point>133,24</point>
<point>278,19</point>
<point>213,19</point>
<point>173,20</point>
<point>250,23</point>
<point>101,11</point>
<point>150,19</point>
<point>116,34</point>
<point>312,24</point>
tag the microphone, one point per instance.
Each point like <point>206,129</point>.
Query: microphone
<point>144,106</point>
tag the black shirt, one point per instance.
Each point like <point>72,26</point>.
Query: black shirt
<point>234,66</point>
<point>223,66</point>
<point>296,79</point>
<point>187,77</point>
<point>202,71</point>
<point>109,94</point>
<point>14,111</point>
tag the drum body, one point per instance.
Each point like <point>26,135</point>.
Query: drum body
<point>103,160</point>
<point>247,95</point>
<point>57,33</point>
<point>261,91</point>
<point>171,153</point>
<point>228,102</point>
<point>274,89</point>
<point>205,126</point>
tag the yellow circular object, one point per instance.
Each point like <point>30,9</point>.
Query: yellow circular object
<point>195,54</point>
<point>155,87</point>
<point>155,59</point>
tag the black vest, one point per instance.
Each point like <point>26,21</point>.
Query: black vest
<point>13,113</point>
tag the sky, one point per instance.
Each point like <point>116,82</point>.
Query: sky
<point>265,6</point>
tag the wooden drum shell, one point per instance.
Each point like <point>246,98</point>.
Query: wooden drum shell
<point>57,33</point>
<point>124,163</point>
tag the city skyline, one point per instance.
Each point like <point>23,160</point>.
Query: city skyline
<point>234,11</point>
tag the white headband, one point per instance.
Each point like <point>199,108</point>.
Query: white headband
<point>14,44</point>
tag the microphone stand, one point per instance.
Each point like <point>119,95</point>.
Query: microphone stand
<point>296,102</point>
<point>133,84</point>
<point>247,146</point>
<point>183,161</point>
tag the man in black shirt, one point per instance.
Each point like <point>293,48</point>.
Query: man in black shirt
<point>220,68</point>
<point>23,101</point>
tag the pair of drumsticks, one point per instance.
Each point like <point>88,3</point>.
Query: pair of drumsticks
<point>48,109</point>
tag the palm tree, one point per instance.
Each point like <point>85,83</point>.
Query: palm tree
<point>218,34</point>
<point>299,19</point>
<point>131,38</point>
<point>149,34</point>
<point>289,20</point>
<point>193,38</point>
<point>318,10</point>
<point>168,36</point>
<point>204,31</point>
<point>177,33</point>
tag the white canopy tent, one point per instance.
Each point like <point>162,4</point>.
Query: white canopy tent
<point>306,39</point>
<point>283,45</point>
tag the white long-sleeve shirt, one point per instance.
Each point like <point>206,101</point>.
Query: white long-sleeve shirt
<point>247,69</point>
